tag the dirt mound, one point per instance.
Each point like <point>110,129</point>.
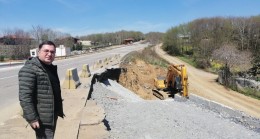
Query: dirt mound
<point>139,78</point>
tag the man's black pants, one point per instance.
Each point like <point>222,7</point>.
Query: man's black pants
<point>46,131</point>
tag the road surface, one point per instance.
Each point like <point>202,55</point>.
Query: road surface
<point>9,102</point>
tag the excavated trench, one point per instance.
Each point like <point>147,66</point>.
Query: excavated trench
<point>138,82</point>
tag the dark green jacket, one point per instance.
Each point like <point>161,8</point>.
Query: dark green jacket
<point>36,93</point>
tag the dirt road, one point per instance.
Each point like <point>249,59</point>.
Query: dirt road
<point>203,84</point>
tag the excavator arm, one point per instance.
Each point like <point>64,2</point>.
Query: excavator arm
<point>176,81</point>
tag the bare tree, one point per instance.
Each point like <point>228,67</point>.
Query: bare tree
<point>7,32</point>
<point>154,37</point>
<point>240,25</point>
<point>236,60</point>
<point>255,35</point>
<point>37,33</point>
<point>18,42</point>
<point>43,34</point>
<point>22,37</point>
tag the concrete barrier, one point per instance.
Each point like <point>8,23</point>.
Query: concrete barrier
<point>105,62</point>
<point>110,59</point>
<point>85,71</point>
<point>71,79</point>
<point>95,65</point>
<point>117,57</point>
<point>100,64</point>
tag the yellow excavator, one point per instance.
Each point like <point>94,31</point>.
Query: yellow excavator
<point>176,81</point>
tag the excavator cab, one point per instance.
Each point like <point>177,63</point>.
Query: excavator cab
<point>177,84</point>
<point>175,81</point>
<point>159,83</point>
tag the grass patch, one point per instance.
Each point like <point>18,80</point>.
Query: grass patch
<point>251,92</point>
<point>188,60</point>
<point>214,67</point>
<point>148,55</point>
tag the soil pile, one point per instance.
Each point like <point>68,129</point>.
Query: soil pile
<point>139,77</point>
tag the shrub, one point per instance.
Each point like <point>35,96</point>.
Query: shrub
<point>2,58</point>
<point>13,57</point>
<point>203,63</point>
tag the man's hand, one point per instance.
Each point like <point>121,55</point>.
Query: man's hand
<point>35,124</point>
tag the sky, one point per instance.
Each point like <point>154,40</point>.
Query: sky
<point>84,17</point>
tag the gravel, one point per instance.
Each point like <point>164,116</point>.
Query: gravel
<point>130,117</point>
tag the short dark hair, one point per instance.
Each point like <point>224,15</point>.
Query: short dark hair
<point>48,43</point>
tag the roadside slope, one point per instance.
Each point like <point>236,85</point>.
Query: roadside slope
<point>203,84</point>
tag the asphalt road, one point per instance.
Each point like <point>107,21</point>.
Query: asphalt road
<point>9,75</point>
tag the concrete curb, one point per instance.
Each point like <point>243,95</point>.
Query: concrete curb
<point>92,120</point>
<point>11,64</point>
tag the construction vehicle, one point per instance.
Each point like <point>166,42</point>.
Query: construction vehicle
<point>176,81</point>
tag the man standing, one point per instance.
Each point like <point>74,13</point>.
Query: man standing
<point>40,93</point>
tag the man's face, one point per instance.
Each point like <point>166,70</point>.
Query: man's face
<point>47,54</point>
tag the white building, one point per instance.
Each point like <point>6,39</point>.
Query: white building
<point>34,52</point>
<point>60,51</point>
<point>86,43</point>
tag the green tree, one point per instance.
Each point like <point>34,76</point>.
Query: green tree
<point>171,42</point>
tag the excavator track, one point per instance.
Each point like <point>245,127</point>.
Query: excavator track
<point>160,94</point>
